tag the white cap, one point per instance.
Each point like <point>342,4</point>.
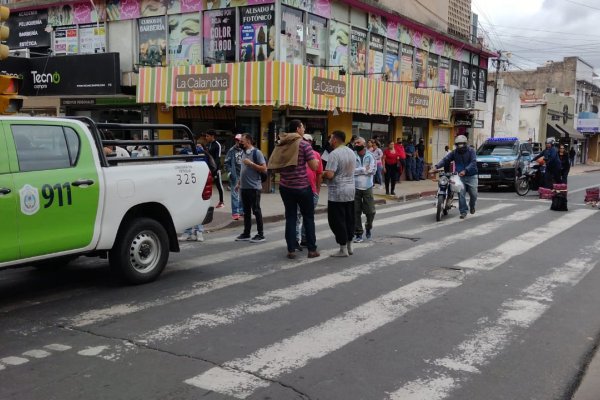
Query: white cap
<point>307,137</point>
<point>238,136</point>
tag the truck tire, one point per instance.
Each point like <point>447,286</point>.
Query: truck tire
<point>141,251</point>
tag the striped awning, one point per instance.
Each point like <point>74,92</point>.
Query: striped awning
<point>275,83</point>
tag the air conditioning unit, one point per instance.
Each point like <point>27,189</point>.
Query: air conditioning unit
<point>464,98</point>
<point>551,90</point>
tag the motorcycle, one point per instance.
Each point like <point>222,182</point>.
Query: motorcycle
<point>445,193</point>
<point>531,178</point>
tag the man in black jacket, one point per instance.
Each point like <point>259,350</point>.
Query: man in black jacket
<point>214,149</point>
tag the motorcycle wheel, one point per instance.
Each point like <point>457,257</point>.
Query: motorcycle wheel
<point>440,207</point>
<point>448,204</point>
<point>522,186</point>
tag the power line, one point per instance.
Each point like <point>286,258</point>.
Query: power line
<point>581,4</point>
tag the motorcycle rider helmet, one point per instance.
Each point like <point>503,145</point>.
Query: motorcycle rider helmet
<point>550,140</point>
<point>461,139</point>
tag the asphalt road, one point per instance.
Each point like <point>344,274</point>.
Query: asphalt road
<point>502,305</point>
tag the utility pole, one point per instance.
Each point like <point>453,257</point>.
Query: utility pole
<point>496,92</point>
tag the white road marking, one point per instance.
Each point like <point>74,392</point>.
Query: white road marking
<point>2,367</point>
<point>492,258</point>
<point>238,377</point>
<point>37,353</point>
<point>281,297</point>
<point>493,337</point>
<point>57,347</point>
<point>295,352</point>
<point>92,351</point>
<point>13,360</point>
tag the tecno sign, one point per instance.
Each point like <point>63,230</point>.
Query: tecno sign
<point>202,82</point>
<point>41,81</point>
<point>329,87</point>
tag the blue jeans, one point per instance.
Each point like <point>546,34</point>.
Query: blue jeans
<point>419,169</point>
<point>470,183</point>
<point>411,171</point>
<point>194,229</point>
<point>300,229</point>
<point>236,205</point>
<point>292,199</point>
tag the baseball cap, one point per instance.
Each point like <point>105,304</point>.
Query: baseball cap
<point>238,136</point>
<point>307,137</point>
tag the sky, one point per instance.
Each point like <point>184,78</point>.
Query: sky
<point>532,32</point>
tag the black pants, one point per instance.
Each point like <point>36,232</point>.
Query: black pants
<point>341,220</point>
<point>391,176</point>
<point>251,204</point>
<point>219,184</point>
<point>294,199</point>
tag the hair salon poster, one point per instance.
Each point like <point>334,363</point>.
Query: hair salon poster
<point>153,41</point>
<point>219,36</point>
<point>257,33</point>
<point>406,63</point>
<point>358,51</point>
<point>185,41</point>
<point>392,61</point>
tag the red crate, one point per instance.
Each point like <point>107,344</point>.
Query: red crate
<point>559,186</point>
<point>545,193</point>
<point>592,195</point>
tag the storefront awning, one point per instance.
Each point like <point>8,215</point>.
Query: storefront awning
<point>566,132</point>
<point>275,83</point>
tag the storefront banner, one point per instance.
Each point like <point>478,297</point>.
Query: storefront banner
<point>376,56</point>
<point>153,41</point>
<point>444,73</point>
<point>378,24</point>
<point>216,4</point>
<point>27,29</point>
<point>183,6</point>
<point>465,76</point>
<point>117,10</point>
<point>283,84</point>
<point>78,13</point>
<point>482,85</point>
<point>406,64</point>
<point>66,40</point>
<point>316,39</point>
<point>292,37</point>
<point>392,30</point>
<point>257,33</point>
<point>420,65</point>
<point>392,61</point>
<point>432,71</point>
<point>358,51</point>
<point>153,8</point>
<point>454,73</point>
<point>185,41</point>
<point>320,7</point>
<point>92,38</point>
<point>474,78</point>
<point>219,36</point>
<point>339,40</point>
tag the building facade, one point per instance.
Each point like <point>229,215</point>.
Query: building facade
<point>246,66</point>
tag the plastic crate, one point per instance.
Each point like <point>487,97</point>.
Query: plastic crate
<point>545,194</point>
<point>592,195</point>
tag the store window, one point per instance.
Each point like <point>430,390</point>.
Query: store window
<point>392,61</point>
<point>292,37</point>
<point>152,37</point>
<point>219,36</point>
<point>185,41</point>
<point>339,35</point>
<point>375,63</point>
<point>257,33</point>
<point>316,41</point>
<point>358,51</point>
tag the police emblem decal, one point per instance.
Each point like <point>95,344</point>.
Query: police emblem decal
<point>30,200</point>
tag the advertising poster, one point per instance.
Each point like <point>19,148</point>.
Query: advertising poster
<point>292,25</point>
<point>257,33</point>
<point>316,40</point>
<point>444,73</point>
<point>339,39</point>
<point>219,36</point>
<point>66,40</point>
<point>85,13</point>
<point>183,6</point>
<point>27,29</point>
<point>185,41</point>
<point>152,37</point>
<point>153,8</point>
<point>92,39</point>
<point>321,8</point>
<point>406,64</point>
<point>420,65</point>
<point>358,51</point>
<point>482,85</point>
<point>455,73</point>
<point>376,56</point>
<point>60,15</point>
<point>216,4</point>
<point>465,76</point>
<point>392,61</point>
<point>117,10</point>
<point>474,77</point>
<point>378,24</point>
<point>432,71</point>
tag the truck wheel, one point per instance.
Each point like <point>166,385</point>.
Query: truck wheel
<point>141,251</point>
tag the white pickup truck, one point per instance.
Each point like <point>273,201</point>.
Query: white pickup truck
<point>61,196</point>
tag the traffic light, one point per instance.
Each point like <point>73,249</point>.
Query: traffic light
<point>10,101</point>
<point>4,31</point>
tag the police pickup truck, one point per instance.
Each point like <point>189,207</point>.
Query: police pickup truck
<point>501,160</point>
<point>61,196</point>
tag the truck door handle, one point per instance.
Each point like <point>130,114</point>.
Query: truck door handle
<point>4,191</point>
<point>80,182</point>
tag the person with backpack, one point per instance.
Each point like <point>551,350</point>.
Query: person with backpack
<point>465,164</point>
<point>233,165</point>
<point>250,186</point>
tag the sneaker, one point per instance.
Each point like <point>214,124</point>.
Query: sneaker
<point>220,205</point>
<point>472,210</point>
<point>257,238</point>
<point>463,216</point>
<point>236,217</point>
<point>199,237</point>
<point>185,237</point>
<point>358,239</point>
<point>368,234</point>
<point>242,237</point>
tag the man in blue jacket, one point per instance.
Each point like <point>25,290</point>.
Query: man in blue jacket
<point>465,163</point>
<point>553,165</point>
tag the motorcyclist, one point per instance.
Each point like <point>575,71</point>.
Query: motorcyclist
<point>465,164</point>
<point>550,155</point>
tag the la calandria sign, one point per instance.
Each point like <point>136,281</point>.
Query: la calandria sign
<point>202,82</point>
<point>329,87</point>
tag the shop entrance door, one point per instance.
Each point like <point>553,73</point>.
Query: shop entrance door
<point>440,139</point>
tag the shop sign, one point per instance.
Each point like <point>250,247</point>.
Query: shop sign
<point>418,100</point>
<point>588,125</point>
<point>202,82</point>
<point>28,29</point>
<point>329,87</point>
<point>463,122</point>
<point>478,124</point>
<point>77,102</point>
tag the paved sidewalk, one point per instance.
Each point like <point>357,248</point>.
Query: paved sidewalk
<point>272,206</point>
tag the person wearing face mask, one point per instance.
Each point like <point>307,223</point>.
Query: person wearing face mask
<point>365,169</point>
<point>465,164</point>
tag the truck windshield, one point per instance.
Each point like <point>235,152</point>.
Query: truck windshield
<point>497,149</point>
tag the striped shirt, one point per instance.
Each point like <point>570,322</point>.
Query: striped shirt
<point>295,177</point>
